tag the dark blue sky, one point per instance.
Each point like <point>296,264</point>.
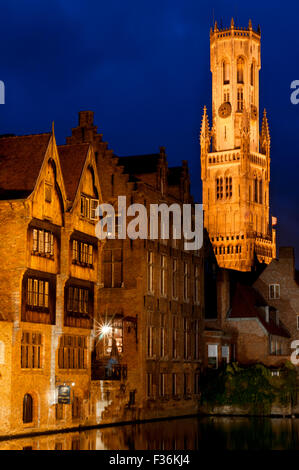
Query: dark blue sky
<point>143,67</point>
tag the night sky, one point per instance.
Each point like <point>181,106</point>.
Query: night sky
<point>143,68</point>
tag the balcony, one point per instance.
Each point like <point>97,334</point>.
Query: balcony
<point>107,370</point>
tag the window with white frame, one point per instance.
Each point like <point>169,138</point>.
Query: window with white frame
<point>274,291</point>
<point>88,207</point>
<point>213,355</point>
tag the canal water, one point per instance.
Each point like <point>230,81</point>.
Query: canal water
<point>205,433</point>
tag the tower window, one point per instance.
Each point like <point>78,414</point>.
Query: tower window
<point>240,100</point>
<point>225,71</point>
<point>261,192</point>
<point>255,190</point>
<point>252,70</point>
<point>228,187</point>
<point>219,188</point>
<point>240,70</point>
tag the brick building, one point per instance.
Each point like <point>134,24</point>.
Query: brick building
<point>48,282</point>
<point>279,284</point>
<point>151,291</point>
<point>92,331</point>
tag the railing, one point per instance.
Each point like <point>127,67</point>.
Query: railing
<point>105,370</point>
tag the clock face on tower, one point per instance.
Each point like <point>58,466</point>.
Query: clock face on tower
<point>225,110</point>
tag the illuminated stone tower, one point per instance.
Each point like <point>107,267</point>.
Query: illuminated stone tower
<point>235,153</point>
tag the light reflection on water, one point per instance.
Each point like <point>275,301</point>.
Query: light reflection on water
<point>223,433</point>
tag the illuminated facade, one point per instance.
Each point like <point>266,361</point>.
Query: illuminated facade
<point>235,153</point>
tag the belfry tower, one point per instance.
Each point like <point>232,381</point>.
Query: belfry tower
<point>235,153</point>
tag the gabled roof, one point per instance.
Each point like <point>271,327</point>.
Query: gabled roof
<point>21,158</point>
<point>247,303</point>
<point>72,160</point>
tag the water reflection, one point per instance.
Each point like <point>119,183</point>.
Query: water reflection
<point>207,433</point>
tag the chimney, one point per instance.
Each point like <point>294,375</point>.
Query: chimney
<point>85,118</point>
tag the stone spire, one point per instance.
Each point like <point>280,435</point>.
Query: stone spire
<point>265,139</point>
<point>232,23</point>
<point>205,140</point>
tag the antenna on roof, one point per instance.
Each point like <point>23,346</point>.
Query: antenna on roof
<point>52,127</point>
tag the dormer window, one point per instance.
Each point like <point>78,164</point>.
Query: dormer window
<point>88,207</point>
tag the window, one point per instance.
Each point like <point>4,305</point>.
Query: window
<point>226,96</point>
<point>196,339</point>
<point>225,354</point>
<point>175,278</point>
<point>31,350</point>
<point>219,188</point>
<point>163,273</point>
<point>72,352</point>
<point>162,384</point>
<point>113,268</point>
<point>150,385</point>
<point>174,384</point>
<point>240,100</point>
<point>186,384</point>
<point>186,339</point>
<point>27,409</point>
<point>42,242</point>
<point>150,272</point>
<point>196,284</point>
<point>82,253</point>
<point>274,291</point>
<point>228,187</point>
<point>213,355</point>
<point>255,190</point>
<point>113,342</point>
<point>162,337</point>
<point>174,337</point>
<point>196,383</point>
<point>150,341</point>
<point>78,300</point>
<point>186,281</point>
<point>252,73</point>
<point>37,293</point>
<point>88,207</point>
<point>225,72</point>
<point>240,70</point>
<point>76,411</point>
<point>261,192</point>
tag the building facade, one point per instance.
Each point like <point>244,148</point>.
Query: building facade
<point>151,291</point>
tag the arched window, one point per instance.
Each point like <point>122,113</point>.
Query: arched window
<point>240,99</point>
<point>261,192</point>
<point>255,197</point>
<point>225,72</point>
<point>27,409</point>
<point>252,71</point>
<point>240,70</point>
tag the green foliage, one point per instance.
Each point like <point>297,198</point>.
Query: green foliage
<point>250,387</point>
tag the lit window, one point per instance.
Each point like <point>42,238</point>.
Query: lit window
<point>240,70</point>
<point>37,293</point>
<point>31,349</point>
<point>150,272</point>
<point>213,355</point>
<point>88,207</point>
<point>163,274</point>
<point>42,242</point>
